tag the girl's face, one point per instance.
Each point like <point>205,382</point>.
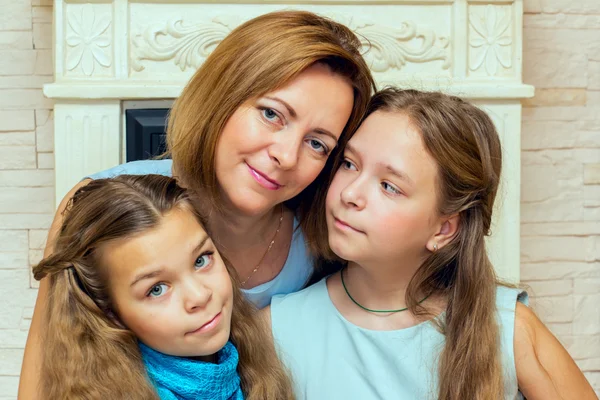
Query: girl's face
<point>381,205</point>
<point>273,147</point>
<point>171,288</point>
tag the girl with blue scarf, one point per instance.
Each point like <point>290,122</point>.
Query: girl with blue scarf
<point>142,306</point>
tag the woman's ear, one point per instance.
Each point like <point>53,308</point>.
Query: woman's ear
<point>448,228</point>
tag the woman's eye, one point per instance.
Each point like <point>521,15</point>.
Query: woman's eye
<point>318,146</point>
<point>157,290</point>
<point>270,115</point>
<point>203,260</point>
<point>389,188</point>
<point>348,165</point>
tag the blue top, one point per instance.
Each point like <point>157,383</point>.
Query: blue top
<point>331,358</point>
<point>181,378</point>
<point>296,270</point>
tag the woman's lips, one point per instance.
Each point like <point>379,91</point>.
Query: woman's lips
<point>263,179</point>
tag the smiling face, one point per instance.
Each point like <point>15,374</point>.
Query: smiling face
<point>171,288</point>
<point>381,205</point>
<point>274,146</point>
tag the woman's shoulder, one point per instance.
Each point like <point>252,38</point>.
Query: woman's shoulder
<point>141,167</point>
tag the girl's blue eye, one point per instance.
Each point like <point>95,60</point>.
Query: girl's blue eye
<point>389,188</point>
<point>270,115</point>
<point>157,290</point>
<point>203,261</point>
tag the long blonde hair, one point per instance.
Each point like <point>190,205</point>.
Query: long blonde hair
<point>88,352</point>
<point>257,57</point>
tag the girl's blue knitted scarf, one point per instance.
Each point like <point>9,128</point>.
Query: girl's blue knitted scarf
<point>181,378</point>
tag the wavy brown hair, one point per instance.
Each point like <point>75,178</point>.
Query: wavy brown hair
<point>258,57</point>
<point>88,352</point>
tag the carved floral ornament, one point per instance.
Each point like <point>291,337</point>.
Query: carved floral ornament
<point>189,45</point>
<point>490,39</point>
<point>88,39</point>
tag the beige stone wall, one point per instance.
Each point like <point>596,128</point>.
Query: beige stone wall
<point>561,172</point>
<point>560,204</point>
<point>26,170</point>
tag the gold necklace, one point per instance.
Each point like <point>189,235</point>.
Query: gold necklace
<point>267,251</point>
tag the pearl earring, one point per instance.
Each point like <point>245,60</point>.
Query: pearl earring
<point>435,247</point>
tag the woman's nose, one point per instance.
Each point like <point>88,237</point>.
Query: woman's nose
<point>286,149</point>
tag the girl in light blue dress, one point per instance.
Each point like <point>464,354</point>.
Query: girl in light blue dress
<point>417,312</point>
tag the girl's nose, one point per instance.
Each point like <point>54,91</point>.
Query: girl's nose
<point>352,195</point>
<point>197,296</point>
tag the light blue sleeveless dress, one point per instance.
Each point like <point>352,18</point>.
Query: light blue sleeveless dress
<point>332,359</point>
<point>296,270</point>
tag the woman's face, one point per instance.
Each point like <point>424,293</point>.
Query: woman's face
<point>274,146</point>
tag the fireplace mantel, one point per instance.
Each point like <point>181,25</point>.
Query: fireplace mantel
<point>107,52</point>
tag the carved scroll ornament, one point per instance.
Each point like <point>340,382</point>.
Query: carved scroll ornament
<point>188,45</point>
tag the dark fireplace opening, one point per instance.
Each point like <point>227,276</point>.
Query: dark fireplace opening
<point>145,135</point>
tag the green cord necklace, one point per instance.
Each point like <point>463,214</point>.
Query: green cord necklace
<point>368,309</point>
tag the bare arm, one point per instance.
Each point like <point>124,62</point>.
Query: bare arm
<point>544,368</point>
<point>30,373</point>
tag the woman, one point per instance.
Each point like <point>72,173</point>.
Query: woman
<point>251,136</point>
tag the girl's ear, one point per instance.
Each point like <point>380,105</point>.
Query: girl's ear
<point>447,230</point>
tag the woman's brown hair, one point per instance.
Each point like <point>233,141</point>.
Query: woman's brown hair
<point>464,143</point>
<point>257,57</point>
<point>88,353</point>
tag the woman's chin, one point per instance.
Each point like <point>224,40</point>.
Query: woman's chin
<point>251,204</point>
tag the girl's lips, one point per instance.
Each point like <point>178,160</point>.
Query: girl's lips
<point>344,226</point>
<point>263,180</point>
<point>209,326</point>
